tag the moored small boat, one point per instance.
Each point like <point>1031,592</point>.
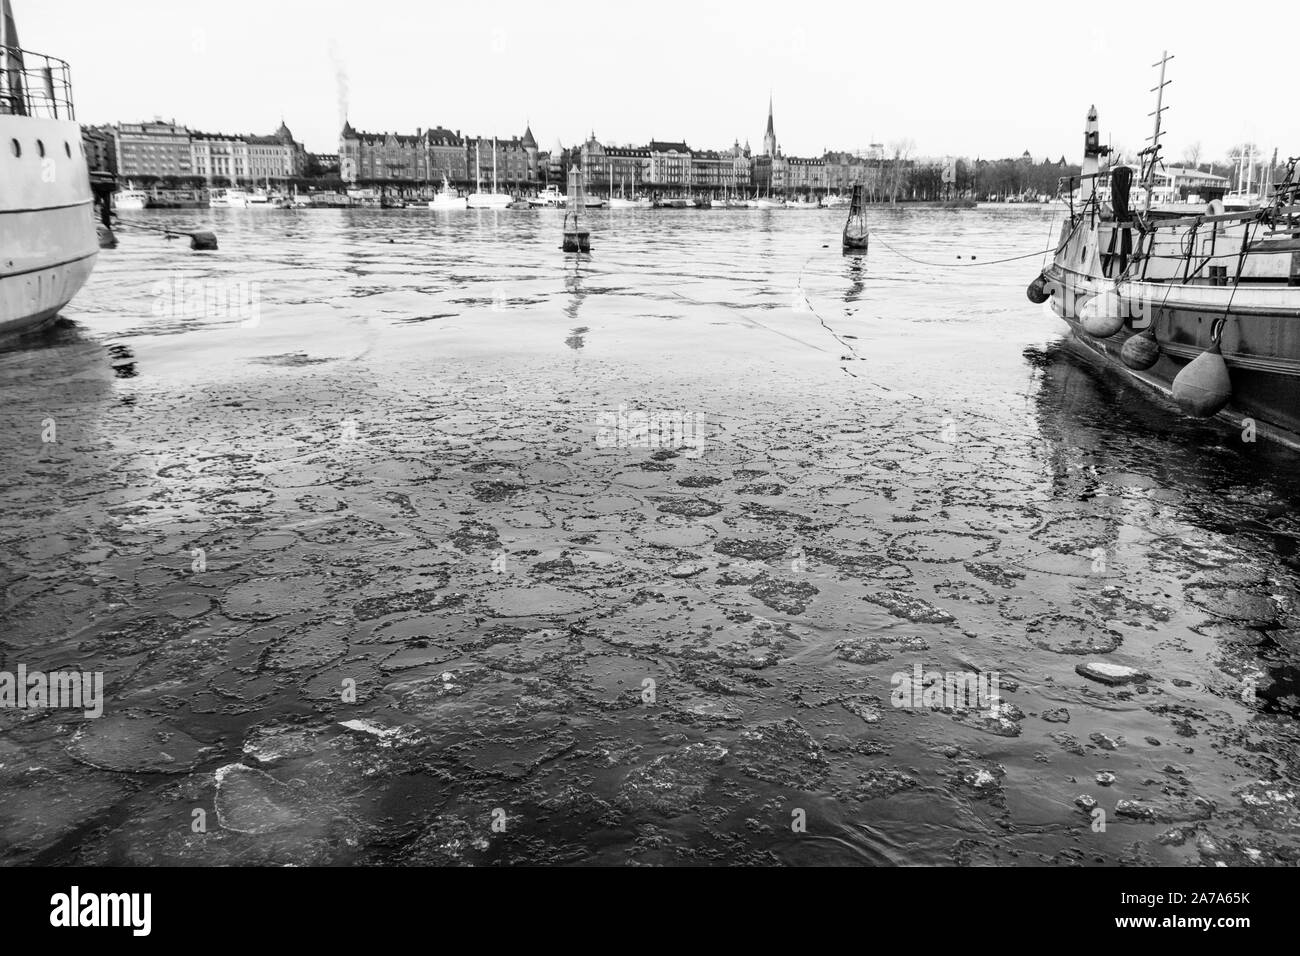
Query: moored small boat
<point>1204,309</point>
<point>481,200</point>
<point>130,199</point>
<point>550,196</point>
<point>446,197</point>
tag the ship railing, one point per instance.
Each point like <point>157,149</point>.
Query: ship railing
<point>33,84</point>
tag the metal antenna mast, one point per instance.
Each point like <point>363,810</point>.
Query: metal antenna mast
<point>1152,152</point>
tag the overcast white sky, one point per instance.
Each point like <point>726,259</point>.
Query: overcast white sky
<point>970,78</point>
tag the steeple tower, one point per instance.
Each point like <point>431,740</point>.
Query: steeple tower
<point>769,138</point>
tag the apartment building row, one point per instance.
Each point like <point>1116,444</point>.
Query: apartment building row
<point>160,150</point>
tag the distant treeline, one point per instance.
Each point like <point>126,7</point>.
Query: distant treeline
<point>984,178</point>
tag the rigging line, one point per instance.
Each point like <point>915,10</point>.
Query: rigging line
<point>811,308</point>
<point>1247,239</point>
<point>1050,227</point>
<point>844,368</point>
<point>752,321</point>
<point>962,265</point>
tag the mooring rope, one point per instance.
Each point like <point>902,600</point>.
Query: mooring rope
<point>962,265</point>
<point>163,230</point>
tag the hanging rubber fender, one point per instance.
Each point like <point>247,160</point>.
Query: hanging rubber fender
<point>1203,387</point>
<point>1100,316</point>
<point>1141,351</point>
<point>1037,291</point>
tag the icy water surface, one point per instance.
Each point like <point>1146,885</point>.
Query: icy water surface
<point>375,576</point>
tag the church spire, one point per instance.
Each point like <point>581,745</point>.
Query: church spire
<point>769,138</point>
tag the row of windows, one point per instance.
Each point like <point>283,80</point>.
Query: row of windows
<point>17,149</point>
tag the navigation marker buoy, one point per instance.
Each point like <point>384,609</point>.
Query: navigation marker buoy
<point>576,239</point>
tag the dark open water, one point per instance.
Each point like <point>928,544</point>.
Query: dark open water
<point>399,478</point>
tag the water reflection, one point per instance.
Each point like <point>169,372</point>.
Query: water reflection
<point>379,496</point>
<point>857,272</point>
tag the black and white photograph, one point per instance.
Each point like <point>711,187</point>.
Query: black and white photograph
<point>672,436</point>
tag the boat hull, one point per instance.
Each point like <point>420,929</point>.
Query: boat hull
<point>488,201</point>
<point>48,242</point>
<point>1260,340</point>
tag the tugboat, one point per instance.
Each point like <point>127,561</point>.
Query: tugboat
<point>1203,308</point>
<point>48,243</point>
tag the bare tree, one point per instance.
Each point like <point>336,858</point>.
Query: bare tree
<point>901,150</point>
<point>1192,155</point>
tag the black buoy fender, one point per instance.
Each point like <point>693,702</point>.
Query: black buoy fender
<point>203,240</point>
<point>1037,291</point>
<point>1140,351</point>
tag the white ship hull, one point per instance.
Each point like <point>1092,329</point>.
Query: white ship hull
<point>48,243</point>
<point>130,200</point>
<point>488,200</point>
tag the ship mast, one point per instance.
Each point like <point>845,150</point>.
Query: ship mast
<point>1151,153</point>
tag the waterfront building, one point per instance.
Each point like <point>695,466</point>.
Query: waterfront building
<point>711,171</point>
<point>412,164</point>
<point>1186,183</point>
<point>515,164</point>
<point>322,164</point>
<point>670,168</point>
<point>158,150</point>
<point>220,158</point>
<point>152,150</point>
<point>627,167</point>
<point>101,149</point>
<point>768,174</point>
<point>768,171</point>
<point>276,156</point>
<point>375,157</point>
<point>805,177</point>
<point>530,150</point>
<point>242,158</point>
<point>556,170</point>
<point>742,166</point>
